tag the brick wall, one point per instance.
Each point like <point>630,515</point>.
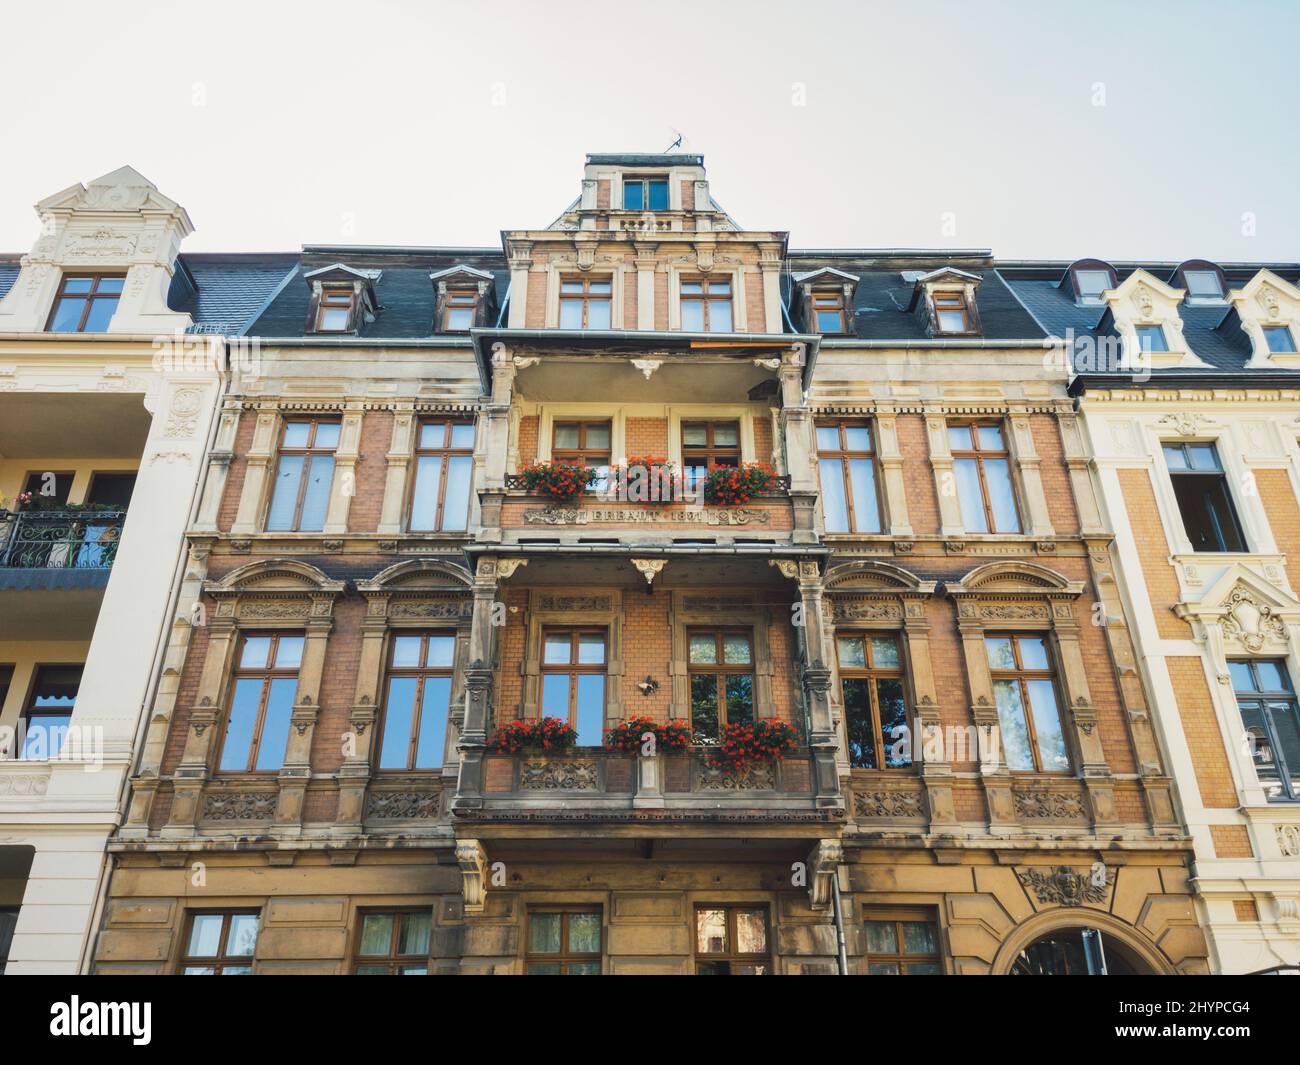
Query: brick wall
<point>1153,552</point>
<point>918,474</point>
<point>1201,728</point>
<point>1055,474</point>
<point>647,437</point>
<point>1231,841</point>
<point>238,469</point>
<point>371,472</point>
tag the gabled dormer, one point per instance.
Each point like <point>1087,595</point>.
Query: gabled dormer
<point>944,301</point>
<point>464,297</point>
<point>1143,311</point>
<point>1267,308</point>
<point>103,262</point>
<point>824,301</point>
<point>342,298</point>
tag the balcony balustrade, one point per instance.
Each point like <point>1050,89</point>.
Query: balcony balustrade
<point>60,539</point>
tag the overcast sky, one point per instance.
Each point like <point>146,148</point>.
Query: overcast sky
<point>1038,129</point>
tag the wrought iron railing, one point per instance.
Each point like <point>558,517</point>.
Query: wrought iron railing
<point>60,539</point>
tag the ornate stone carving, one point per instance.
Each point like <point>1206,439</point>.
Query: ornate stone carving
<point>1064,886</point>
<point>472,859</point>
<point>1050,805</point>
<point>865,610</point>
<point>574,602</point>
<point>649,568</point>
<point>1288,840</point>
<point>1250,621</point>
<point>760,777</point>
<point>271,609</point>
<point>823,863</point>
<point>404,805</point>
<point>240,806</point>
<point>558,776</point>
<point>411,609</point>
<point>887,804</point>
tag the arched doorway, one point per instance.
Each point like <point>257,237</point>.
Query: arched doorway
<point>1051,944</point>
<point>1065,952</point>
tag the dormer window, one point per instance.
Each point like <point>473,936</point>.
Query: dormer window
<point>1087,279</point>
<point>828,311</point>
<point>458,311</point>
<point>1092,283</point>
<point>86,303</point>
<point>645,194</point>
<point>1203,280</point>
<point>1279,338</point>
<point>335,313</point>
<point>950,313</point>
<point>463,298</point>
<point>1152,338</point>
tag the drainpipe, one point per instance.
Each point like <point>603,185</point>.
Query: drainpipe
<point>839,923</point>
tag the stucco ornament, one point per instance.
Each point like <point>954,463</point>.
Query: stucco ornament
<point>1250,622</point>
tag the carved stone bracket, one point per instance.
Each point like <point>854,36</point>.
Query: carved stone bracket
<point>823,864</point>
<point>472,859</point>
<point>649,568</point>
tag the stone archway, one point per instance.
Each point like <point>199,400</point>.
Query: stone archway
<point>1051,944</point>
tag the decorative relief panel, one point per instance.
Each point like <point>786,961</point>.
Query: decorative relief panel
<point>558,776</point>
<point>404,805</point>
<point>1064,886</point>
<point>759,777</point>
<point>1050,806</point>
<point>240,806</point>
<point>887,804</point>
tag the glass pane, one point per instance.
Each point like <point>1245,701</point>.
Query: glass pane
<point>591,709</point>
<point>584,933</point>
<point>555,695</point>
<point>735,650</point>
<point>288,652</point>
<point>866,505</point>
<point>1002,499</point>
<point>376,934</point>
<point>571,286</point>
<point>704,649</point>
<point>1272,675</point>
<point>584,968</point>
<point>591,649</point>
<point>1286,724</point>
<point>883,968</point>
<point>726,435</point>
<point>895,733</point>
<point>1033,653</point>
<point>1261,749</point>
<point>704,707</point>
<point>460,318</point>
<point>442,651</point>
<point>711,931</point>
<point>852,652</point>
<point>959,437</point>
<point>1203,457</point>
<point>398,713</point>
<point>1014,732</point>
<point>1000,653</point>
<point>859,730</point>
<point>413,938</point>
<point>828,438</point>
<point>658,195</point>
<point>835,505</point>
<point>434,707</point>
<point>884,652</point>
<point>881,937</point>
<point>558,649</point>
<point>1047,725</point>
<point>1152,338</point>
<point>693,288</point>
<point>413,970</point>
<point>1175,459</point>
<point>285,496</point>
<point>919,938</point>
<point>751,931</point>
<point>199,970</point>
<point>857,438</point>
<point>693,316</point>
<point>1243,680</point>
<point>333,319</point>
<point>544,933</point>
<point>597,437</point>
<point>570,314</point>
<point>969,495</point>
<point>320,475</point>
<point>952,322</point>
<point>720,288</point>
<point>67,316</point>
<point>205,936</point>
<point>296,434</point>
<point>1092,282</point>
<point>922,968</point>
<point>240,724</point>
<point>407,651</point>
<point>544,969</point>
<point>740,699</point>
<point>237,970</point>
<point>566,437</point>
<point>991,438</point>
<point>79,284</point>
<point>424,500</point>
<point>598,314</point>
<point>327,435</point>
<point>256,652</point>
<point>275,725</point>
<point>462,434</point>
<point>695,435</point>
<point>372,970</point>
<point>829,322</point>
<point>1202,283</point>
<point>1279,338</point>
<point>455,507</point>
<point>110,285</point>
<point>243,935</point>
<point>633,196</point>
<point>720,317</point>
<point>101,313</point>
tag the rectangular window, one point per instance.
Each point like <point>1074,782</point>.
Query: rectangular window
<point>1152,338</point>
<point>1204,284</point>
<point>1092,283</point>
<point>394,944</point>
<point>418,696</point>
<point>8,922</point>
<point>563,941</point>
<point>85,303</point>
<point>1279,338</point>
<point>706,306</point>
<point>847,462</point>
<point>875,707</point>
<point>1269,713</point>
<point>583,443</point>
<point>49,710</point>
<point>220,944</point>
<point>459,307</point>
<point>573,681</point>
<point>902,947</point>
<point>828,311</point>
<point>645,194</point>
<point>982,466</point>
<point>1204,501</point>
<point>731,941</point>
<point>721,667</point>
<point>585,303</point>
<point>1029,716</point>
<point>48,486</point>
<point>261,703</point>
<point>951,313</point>
<point>304,476</point>
<point>444,472</point>
<point>335,312</point>
<point>706,446</point>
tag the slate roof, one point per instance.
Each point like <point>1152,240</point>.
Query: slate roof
<point>228,291</point>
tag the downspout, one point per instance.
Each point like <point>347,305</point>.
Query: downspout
<point>839,923</point>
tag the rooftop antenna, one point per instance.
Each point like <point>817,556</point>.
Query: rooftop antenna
<point>675,144</point>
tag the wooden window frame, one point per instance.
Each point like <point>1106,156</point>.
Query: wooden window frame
<point>845,455</point>
<point>582,455</point>
<point>709,453</point>
<point>333,297</point>
<point>392,960</point>
<point>721,670</point>
<point>1161,331</point>
<point>459,298</point>
<point>1022,676</point>
<point>1189,472</point>
<point>901,958</point>
<point>267,674</point>
<point>421,673</point>
<point>706,298</point>
<point>833,300</point>
<point>446,453</point>
<point>979,454</point>
<point>574,669</point>
<point>872,673</point>
<point>947,301</point>
<point>32,712</point>
<point>564,957</point>
<point>1287,774</point>
<point>88,297</point>
<point>222,960</point>
<point>731,956</point>
<point>309,451</point>
<point>586,297</point>
<point>645,183</point>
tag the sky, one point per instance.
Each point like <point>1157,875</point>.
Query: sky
<point>1037,129</point>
